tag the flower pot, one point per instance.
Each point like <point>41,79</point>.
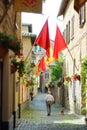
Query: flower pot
<point>13,68</point>
<point>21,74</point>
<point>59,84</point>
<point>3,51</point>
<point>76,77</point>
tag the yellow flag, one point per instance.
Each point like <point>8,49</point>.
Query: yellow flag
<point>36,71</point>
<point>50,59</point>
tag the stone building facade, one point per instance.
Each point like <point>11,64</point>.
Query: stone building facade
<point>10,23</point>
<point>75,34</point>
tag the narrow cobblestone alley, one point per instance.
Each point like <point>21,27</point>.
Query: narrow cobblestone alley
<point>35,118</point>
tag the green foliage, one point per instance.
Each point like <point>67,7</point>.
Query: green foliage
<point>10,42</point>
<point>84,85</point>
<point>5,40</point>
<point>56,70</point>
<point>27,69</point>
<point>21,66</point>
<point>84,110</point>
<point>84,69</point>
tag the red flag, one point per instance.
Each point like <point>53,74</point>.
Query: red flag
<point>59,43</point>
<point>41,65</point>
<point>43,38</point>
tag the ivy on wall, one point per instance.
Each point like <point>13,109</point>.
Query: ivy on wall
<point>84,84</point>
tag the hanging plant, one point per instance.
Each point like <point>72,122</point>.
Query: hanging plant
<point>84,69</point>
<point>84,85</point>
<point>21,67</point>
<point>3,51</point>
<point>15,46</point>
<point>76,77</point>
<point>10,42</point>
<point>32,64</point>
<point>14,65</point>
<point>59,83</point>
<point>13,68</point>
<point>67,79</point>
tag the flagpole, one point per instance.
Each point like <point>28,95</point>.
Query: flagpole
<point>30,51</point>
<point>72,58</point>
<point>35,40</point>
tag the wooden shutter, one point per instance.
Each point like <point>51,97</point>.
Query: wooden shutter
<point>82,15</point>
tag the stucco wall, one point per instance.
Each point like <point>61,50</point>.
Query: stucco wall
<point>8,20</point>
<point>78,49</point>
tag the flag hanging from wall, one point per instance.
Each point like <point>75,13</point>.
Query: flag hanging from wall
<point>43,39</point>
<point>33,6</point>
<point>59,43</point>
<point>41,65</point>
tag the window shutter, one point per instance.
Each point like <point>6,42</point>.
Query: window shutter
<point>64,34</point>
<point>82,15</point>
<point>72,27</point>
<point>68,32</point>
<point>30,28</point>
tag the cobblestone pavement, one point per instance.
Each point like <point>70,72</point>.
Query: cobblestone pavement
<point>35,118</point>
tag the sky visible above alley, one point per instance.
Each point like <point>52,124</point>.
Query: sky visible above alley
<point>50,11</point>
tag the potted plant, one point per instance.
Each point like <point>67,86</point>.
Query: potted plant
<point>76,77</point>
<point>84,110</point>
<point>59,83</point>
<point>15,46</point>
<point>21,67</point>
<point>9,42</point>
<point>3,51</point>
<point>67,79</point>
<point>3,45</point>
<point>32,64</point>
<point>14,64</point>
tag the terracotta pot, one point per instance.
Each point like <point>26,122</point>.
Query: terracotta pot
<point>13,68</point>
<point>59,84</point>
<point>3,51</point>
<point>21,74</point>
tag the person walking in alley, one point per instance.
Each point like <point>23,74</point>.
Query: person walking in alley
<point>49,101</point>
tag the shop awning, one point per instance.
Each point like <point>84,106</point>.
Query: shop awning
<point>78,4</point>
<point>33,6</point>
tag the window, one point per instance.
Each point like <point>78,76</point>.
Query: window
<point>33,39</point>
<point>46,76</point>
<point>72,27</point>
<point>30,28</point>
<point>64,34</point>
<point>35,48</point>
<point>82,16</point>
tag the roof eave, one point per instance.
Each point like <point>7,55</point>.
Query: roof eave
<point>63,6</point>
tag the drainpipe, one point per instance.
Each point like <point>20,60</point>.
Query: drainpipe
<point>62,88</point>
<point>62,93</point>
